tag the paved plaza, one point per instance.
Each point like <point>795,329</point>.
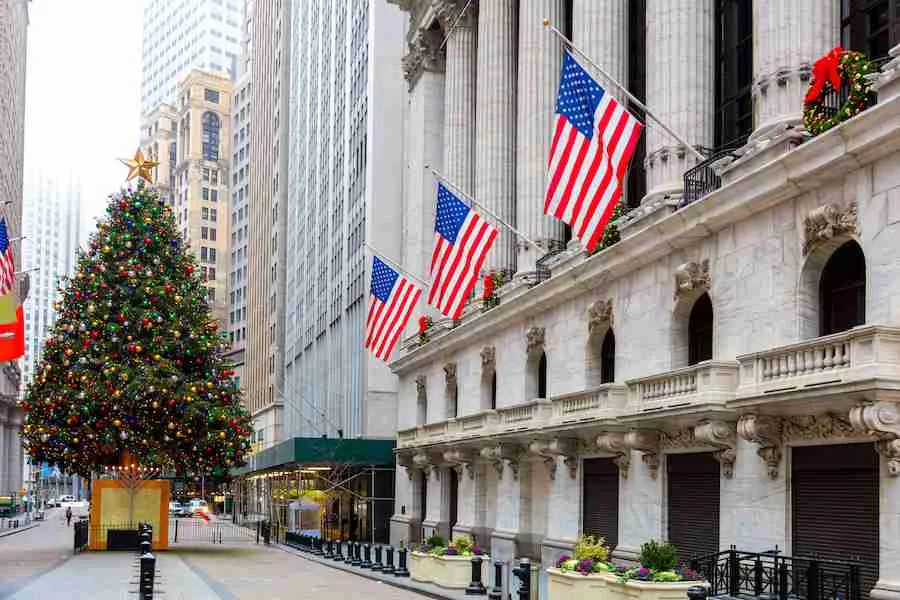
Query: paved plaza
<point>39,564</point>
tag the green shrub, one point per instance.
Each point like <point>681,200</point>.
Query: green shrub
<point>435,541</point>
<point>592,548</point>
<point>659,556</point>
<point>463,544</point>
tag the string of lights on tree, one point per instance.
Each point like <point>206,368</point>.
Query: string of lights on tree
<point>134,364</point>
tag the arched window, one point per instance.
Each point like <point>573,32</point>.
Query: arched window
<point>842,290</point>
<point>700,331</point>
<point>608,358</point>
<point>542,376</point>
<point>211,126</point>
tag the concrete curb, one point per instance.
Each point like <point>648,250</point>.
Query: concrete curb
<point>18,530</point>
<point>404,583</point>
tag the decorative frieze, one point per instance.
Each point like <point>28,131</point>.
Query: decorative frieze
<point>461,460</point>
<point>826,222</point>
<point>503,455</point>
<point>600,316</point>
<point>614,443</point>
<point>646,441</point>
<point>817,427</point>
<point>881,419</point>
<point>691,277</point>
<point>549,450</point>
<point>765,432</point>
<point>455,13</point>
<point>426,53</point>
<point>534,341</point>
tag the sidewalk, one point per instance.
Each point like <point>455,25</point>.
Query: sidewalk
<point>6,532</point>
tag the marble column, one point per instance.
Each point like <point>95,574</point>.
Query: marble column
<point>540,60</point>
<point>4,457</point>
<point>495,147</point>
<point>641,505</point>
<point>680,90</point>
<point>600,29</point>
<point>436,506</point>
<point>788,37</point>
<point>466,500</point>
<point>14,479</point>
<point>459,91</point>
<point>423,67</point>
<point>512,509</point>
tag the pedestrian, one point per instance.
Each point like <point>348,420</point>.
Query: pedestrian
<point>68,516</point>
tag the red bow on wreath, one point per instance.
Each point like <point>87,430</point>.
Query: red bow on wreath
<point>488,287</point>
<point>826,69</point>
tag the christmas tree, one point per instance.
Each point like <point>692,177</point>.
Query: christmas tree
<point>133,366</point>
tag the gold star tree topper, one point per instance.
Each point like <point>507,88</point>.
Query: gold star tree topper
<point>139,167</point>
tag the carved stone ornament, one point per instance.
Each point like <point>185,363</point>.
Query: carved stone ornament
<point>549,450</point>
<point>421,382</point>
<point>647,442</point>
<point>451,13</point>
<point>690,277</point>
<point>425,54</point>
<point>600,316</point>
<point>614,443</point>
<point>534,340</point>
<point>503,455</point>
<point>817,427</point>
<point>450,374</point>
<point>721,435</point>
<point>405,460</point>
<point>488,359</point>
<point>460,459</point>
<point>881,419</point>
<point>765,432</point>
<point>425,463</point>
<point>826,222</point>
<point>678,438</point>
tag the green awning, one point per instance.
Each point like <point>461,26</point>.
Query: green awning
<point>306,451</point>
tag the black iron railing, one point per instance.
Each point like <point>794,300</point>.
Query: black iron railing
<point>737,573</point>
<point>833,99</point>
<point>81,535</point>
<point>701,179</point>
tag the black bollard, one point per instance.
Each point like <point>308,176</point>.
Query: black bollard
<point>377,565</point>
<point>389,561</point>
<point>338,550</point>
<point>147,576</point>
<point>401,570</point>
<point>367,557</point>
<point>496,592</point>
<point>145,547</point>
<point>357,554</point>
<point>523,573</point>
<point>697,592</point>
<point>349,560</point>
<point>476,588</point>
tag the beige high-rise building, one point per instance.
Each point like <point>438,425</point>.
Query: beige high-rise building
<point>13,29</point>
<point>270,42</point>
<point>158,143</point>
<point>200,190</point>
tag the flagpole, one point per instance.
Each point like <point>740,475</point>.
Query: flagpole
<point>459,190</point>
<point>395,265</point>
<point>624,90</point>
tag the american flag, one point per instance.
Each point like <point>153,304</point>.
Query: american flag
<point>391,303</point>
<point>7,263</point>
<point>592,145</point>
<point>461,241</point>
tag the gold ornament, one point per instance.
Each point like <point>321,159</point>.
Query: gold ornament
<point>139,167</point>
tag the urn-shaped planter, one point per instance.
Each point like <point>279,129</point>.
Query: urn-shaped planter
<point>567,585</point>
<point>454,572</point>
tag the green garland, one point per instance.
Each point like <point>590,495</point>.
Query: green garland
<point>854,66</point>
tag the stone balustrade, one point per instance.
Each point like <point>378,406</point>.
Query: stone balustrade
<point>825,364</point>
<point>862,353</point>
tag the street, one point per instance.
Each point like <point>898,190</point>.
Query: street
<point>38,564</point>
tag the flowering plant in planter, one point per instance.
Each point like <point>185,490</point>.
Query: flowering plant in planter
<point>659,564</point>
<point>590,557</point>
<point>461,546</point>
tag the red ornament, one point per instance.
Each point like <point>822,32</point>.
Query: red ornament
<point>825,70</point>
<point>424,323</point>
<point>123,204</point>
<point>189,269</point>
<point>488,292</point>
<point>147,241</point>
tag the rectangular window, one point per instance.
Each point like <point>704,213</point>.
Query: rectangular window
<point>204,213</point>
<point>204,193</point>
<point>204,233</point>
<point>212,234</point>
<point>212,255</point>
<point>205,174</point>
<point>214,177</point>
<point>211,95</point>
<point>870,26</point>
<point>636,186</point>
<point>734,72</point>
<point>213,214</point>
<point>211,294</point>
<point>204,253</point>
<point>214,195</point>
<point>212,272</point>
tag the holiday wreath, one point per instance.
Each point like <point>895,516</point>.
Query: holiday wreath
<point>830,72</point>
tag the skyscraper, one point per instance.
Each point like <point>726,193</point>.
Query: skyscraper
<point>269,80</point>
<point>13,31</point>
<point>346,116</point>
<point>179,36</point>
<point>51,222</point>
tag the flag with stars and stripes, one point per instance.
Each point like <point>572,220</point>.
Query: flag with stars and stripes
<point>7,263</point>
<point>391,302</point>
<point>462,239</point>
<point>593,142</point>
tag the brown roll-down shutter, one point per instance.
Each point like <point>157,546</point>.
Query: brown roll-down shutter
<point>693,504</point>
<point>835,506</point>
<point>600,500</point>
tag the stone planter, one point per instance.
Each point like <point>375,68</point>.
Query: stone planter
<point>606,586</point>
<point>453,572</point>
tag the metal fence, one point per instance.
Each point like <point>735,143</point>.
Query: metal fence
<point>81,536</point>
<point>215,531</point>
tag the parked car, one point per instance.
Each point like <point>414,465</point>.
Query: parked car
<point>52,502</point>
<point>174,508</point>
<point>199,506</point>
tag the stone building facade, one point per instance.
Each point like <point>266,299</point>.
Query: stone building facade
<point>727,373</point>
<point>13,31</point>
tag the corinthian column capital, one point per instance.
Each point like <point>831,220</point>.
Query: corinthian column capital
<point>455,13</point>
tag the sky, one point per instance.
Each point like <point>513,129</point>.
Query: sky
<point>82,98</point>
